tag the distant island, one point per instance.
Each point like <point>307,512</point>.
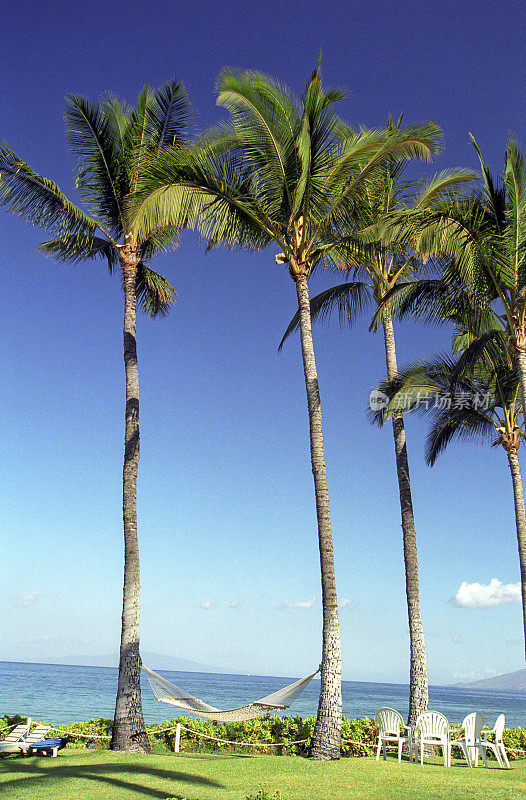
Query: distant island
<point>511,682</point>
<point>153,660</point>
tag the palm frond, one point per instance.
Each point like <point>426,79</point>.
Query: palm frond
<point>442,186</point>
<point>138,144</point>
<point>436,301</point>
<point>323,122</point>
<point>163,240</point>
<point>488,347</point>
<point>117,119</point>
<point>494,194</point>
<point>515,231</point>
<point>216,196</point>
<point>267,125</point>
<point>460,405</point>
<point>154,294</point>
<point>100,169</point>
<point>347,298</point>
<point>40,201</point>
<point>460,423</point>
<point>170,114</point>
<point>363,155</point>
<point>75,249</point>
<point>300,192</point>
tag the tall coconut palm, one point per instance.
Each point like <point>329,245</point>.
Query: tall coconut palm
<point>470,397</point>
<point>484,284</point>
<point>286,172</point>
<point>386,264</point>
<point>112,145</point>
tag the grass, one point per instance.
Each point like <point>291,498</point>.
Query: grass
<point>103,775</point>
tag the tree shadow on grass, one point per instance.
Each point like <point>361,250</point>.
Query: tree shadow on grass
<point>103,773</point>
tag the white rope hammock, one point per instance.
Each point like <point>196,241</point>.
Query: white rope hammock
<point>167,692</point>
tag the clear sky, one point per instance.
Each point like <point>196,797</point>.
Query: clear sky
<point>230,569</point>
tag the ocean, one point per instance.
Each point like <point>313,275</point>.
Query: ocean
<point>60,694</point>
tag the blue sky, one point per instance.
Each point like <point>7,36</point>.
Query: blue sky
<point>230,569</point>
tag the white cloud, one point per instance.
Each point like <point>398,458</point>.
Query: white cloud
<point>26,599</point>
<point>235,603</point>
<point>466,676</point>
<point>481,595</point>
<point>207,603</point>
<point>300,603</point>
<point>491,672</point>
<point>344,602</point>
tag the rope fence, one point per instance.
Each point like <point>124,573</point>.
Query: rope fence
<point>245,744</point>
<point>179,727</point>
<point>80,735</point>
<point>10,726</point>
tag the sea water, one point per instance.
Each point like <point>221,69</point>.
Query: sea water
<point>60,694</point>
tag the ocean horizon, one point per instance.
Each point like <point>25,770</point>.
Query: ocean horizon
<point>62,693</point>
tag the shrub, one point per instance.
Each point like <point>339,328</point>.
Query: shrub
<point>7,722</point>
<point>98,726</point>
<point>515,738</point>
<point>359,736</point>
<point>264,733</point>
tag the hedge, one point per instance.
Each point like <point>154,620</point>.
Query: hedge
<point>359,736</point>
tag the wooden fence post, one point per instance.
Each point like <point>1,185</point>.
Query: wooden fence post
<point>177,737</point>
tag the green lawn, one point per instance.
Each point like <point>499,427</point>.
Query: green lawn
<point>103,775</point>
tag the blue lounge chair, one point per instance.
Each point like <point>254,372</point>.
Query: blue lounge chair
<point>47,747</point>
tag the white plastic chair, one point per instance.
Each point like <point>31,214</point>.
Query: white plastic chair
<point>35,736</point>
<point>390,723</point>
<point>471,744</point>
<point>498,746</point>
<point>432,728</point>
<point>12,742</point>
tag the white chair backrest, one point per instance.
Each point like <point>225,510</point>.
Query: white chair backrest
<point>499,726</point>
<point>18,733</point>
<point>389,721</point>
<point>472,725</point>
<point>37,734</point>
<point>431,724</point>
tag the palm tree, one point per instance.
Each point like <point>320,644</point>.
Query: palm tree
<point>112,146</point>
<point>483,286</point>
<point>286,172</point>
<point>470,398</point>
<point>385,265</point>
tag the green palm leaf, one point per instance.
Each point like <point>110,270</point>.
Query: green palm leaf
<point>40,201</point>
<point>214,195</point>
<point>442,186</point>
<point>154,294</point>
<point>468,423</point>
<point>264,119</point>
<point>170,115</point>
<point>349,299</point>
<point>100,168</point>
<point>76,249</point>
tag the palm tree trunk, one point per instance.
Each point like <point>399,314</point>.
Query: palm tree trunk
<point>520,519</point>
<point>129,731</point>
<point>418,688</point>
<point>520,352</point>
<point>325,743</point>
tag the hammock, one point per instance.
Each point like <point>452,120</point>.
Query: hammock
<point>167,692</point>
